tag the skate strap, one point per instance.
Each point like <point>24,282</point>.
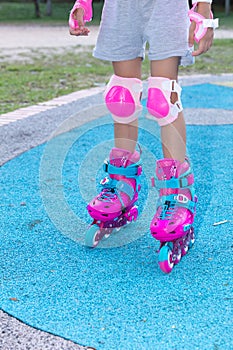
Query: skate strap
<point>181,182</point>
<point>126,188</point>
<point>118,186</point>
<point>129,171</point>
<point>178,200</point>
<point>113,187</point>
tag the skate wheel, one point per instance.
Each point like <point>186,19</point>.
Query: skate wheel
<point>178,258</point>
<point>91,238</point>
<point>192,238</point>
<point>132,214</point>
<point>107,232</point>
<point>165,259</point>
<point>184,249</point>
<point>192,242</point>
<point>106,236</point>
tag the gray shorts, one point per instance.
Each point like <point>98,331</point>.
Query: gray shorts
<point>127,25</point>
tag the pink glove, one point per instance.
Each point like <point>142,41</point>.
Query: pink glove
<point>86,5</point>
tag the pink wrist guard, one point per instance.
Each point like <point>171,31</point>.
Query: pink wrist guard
<point>202,23</point>
<point>86,5</point>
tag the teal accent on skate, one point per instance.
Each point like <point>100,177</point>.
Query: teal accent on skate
<point>116,297</point>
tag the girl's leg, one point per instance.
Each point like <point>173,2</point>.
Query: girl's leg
<point>173,136</point>
<point>172,223</point>
<point>115,206</point>
<point>126,135</point>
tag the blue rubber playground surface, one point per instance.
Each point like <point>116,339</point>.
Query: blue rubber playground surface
<point>115,296</point>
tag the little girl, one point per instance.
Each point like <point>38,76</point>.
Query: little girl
<point>170,29</point>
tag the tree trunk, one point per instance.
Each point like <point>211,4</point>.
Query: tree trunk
<point>37,8</point>
<point>49,7</point>
<point>227,7</point>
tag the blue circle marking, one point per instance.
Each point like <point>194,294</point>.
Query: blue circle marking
<point>117,298</point>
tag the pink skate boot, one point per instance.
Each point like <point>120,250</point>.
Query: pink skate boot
<point>115,206</point>
<point>172,224</point>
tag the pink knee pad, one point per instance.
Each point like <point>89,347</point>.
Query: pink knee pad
<point>122,97</point>
<point>159,100</point>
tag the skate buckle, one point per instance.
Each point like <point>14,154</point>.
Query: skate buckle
<point>104,181</point>
<point>181,198</point>
<point>187,227</point>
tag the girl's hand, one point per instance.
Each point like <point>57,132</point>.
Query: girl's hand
<point>81,29</point>
<point>206,42</point>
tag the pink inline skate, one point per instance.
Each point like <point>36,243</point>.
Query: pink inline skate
<point>115,206</point>
<point>172,224</point>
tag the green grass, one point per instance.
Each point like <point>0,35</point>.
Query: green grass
<point>225,22</point>
<point>216,61</point>
<point>24,13</point>
<point>50,75</point>
<point>23,84</point>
